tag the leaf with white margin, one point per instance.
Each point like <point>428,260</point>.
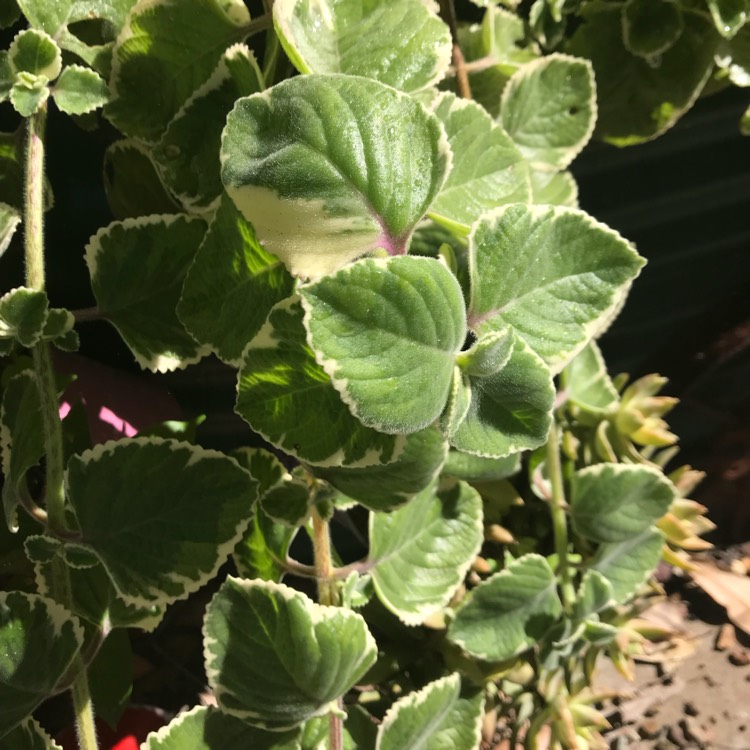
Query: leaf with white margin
<point>28,736</point>
<point>587,382</point>
<point>275,658</point>
<point>137,267</point>
<point>552,273</point>
<point>23,313</point>
<point>509,411</point>
<point>457,406</point>
<point>388,486</point>
<point>132,184</point>
<point>10,218</point>
<point>330,167</point>
<point>262,551</point>
<point>21,439</point>
<point>96,600</point>
<point>79,90</point>
<point>186,153</point>
<point>229,269</point>
<point>433,718</point>
<point>207,728</point>
<point>553,188</point>
<point>488,169</point>
<point>421,552</point>
<point>35,52</point>
<point>405,45</point>
<point>479,468</point>
<point>548,108</point>
<point>614,502</point>
<point>165,51</point>
<point>285,396</point>
<point>170,520</point>
<point>265,468</point>
<point>488,354</point>
<point>729,16</point>
<point>509,612</point>
<point>39,639</point>
<point>387,331</point>
<point>638,102</point>
<point>651,27</point>
<point>628,565</point>
<point>594,594</point>
<point>28,96</point>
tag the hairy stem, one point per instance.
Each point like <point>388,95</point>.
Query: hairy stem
<point>328,595</point>
<point>448,13</point>
<point>559,519</point>
<point>45,374</point>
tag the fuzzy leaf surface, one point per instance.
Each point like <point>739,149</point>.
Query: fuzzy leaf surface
<point>229,270</point>
<point>167,49</point>
<point>422,551</point>
<point>28,736</point>
<point>549,109</point>
<point>23,314</point>
<point>488,170</point>
<point>509,612</point>
<point>10,218</point>
<point>29,675</point>
<point>207,728</point>
<point>404,45</point>
<point>581,270</point>
<point>35,52</point>
<point>553,188</point>
<point>509,411</point>
<point>79,90</point>
<point>589,386</point>
<point>330,167</point>
<point>275,658</point>
<point>285,395</point>
<point>165,532</point>
<point>186,153</point>
<point>433,718</point>
<point>388,331</point>
<point>263,549</point>
<point>137,268</point>
<point>627,565</point>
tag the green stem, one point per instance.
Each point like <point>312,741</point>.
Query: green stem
<point>53,443</point>
<point>327,595</point>
<point>558,507</point>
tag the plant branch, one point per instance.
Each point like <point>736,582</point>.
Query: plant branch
<point>87,314</point>
<point>53,443</point>
<point>558,507</point>
<point>448,13</point>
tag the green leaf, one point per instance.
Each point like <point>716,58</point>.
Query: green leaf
<point>480,469</point>
<point>388,330</point>
<point>137,267</point>
<point>458,404</point>
<point>549,109</point>
<point>422,552</point>
<point>589,386</point>
<point>509,612</point>
<point>264,467</point>
<point>405,45</point>
<point>29,675</point>
<point>206,728</point>
<point>12,161</point>
<point>28,95</point>
<point>328,168</point>
<point>23,313</point>
<point>10,218</point>
<point>651,27</point>
<point>581,271</point>
<point>745,122</point>
<point>285,395</point>
<point>500,38</point>
<point>274,658</point>
<point>433,718</point>
<point>28,736</point>
<point>79,90</point>
<point>488,355</point>
<point>594,594</point>
<point>729,16</point>
<point>150,558</point>
<point>509,411</point>
<point>167,49</point>
<point>9,13</point>
<point>21,439</point>
<point>554,188</point>
<point>32,51</point>
<point>388,486</point>
<point>44,15</point>
<point>110,677</point>
<point>58,325</point>
<point>132,184</point>
<point>638,102</point>
<point>263,549</point>
<point>614,502</point>
<point>187,152</point>
<point>488,170</point>
<point>229,269</point>
<point>289,501</point>
<point>628,564</point>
